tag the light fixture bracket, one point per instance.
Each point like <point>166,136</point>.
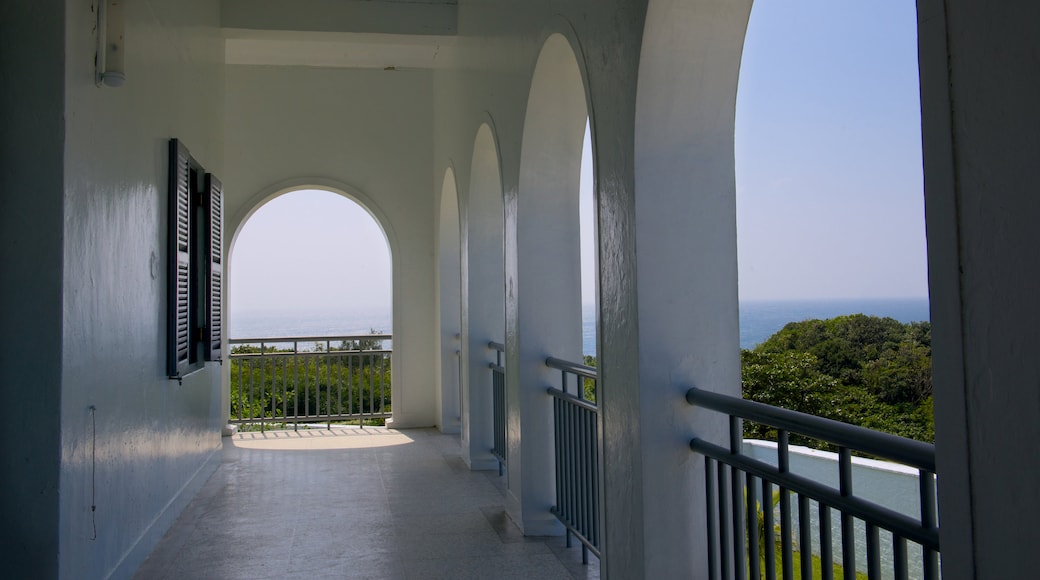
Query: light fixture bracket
<point>109,60</point>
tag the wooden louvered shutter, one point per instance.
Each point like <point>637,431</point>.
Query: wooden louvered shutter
<point>179,262</point>
<point>213,202</point>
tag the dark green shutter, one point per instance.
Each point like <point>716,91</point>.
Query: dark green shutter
<point>179,262</point>
<point>213,201</point>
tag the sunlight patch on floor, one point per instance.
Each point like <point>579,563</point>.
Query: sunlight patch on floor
<point>338,437</point>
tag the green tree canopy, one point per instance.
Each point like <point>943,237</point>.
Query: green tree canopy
<point>864,370</point>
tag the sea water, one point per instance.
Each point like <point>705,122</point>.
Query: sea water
<point>758,319</point>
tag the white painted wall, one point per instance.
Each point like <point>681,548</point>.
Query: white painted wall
<point>153,436</point>
<point>365,132</point>
<point>979,85</point>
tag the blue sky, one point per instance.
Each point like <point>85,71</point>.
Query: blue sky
<point>830,199</point>
<point>309,251</point>
<point>828,174</point>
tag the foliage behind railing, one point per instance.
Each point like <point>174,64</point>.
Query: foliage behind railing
<point>310,379</point>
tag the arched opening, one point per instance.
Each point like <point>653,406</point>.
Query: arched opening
<point>831,231</point>
<point>310,313</point>
<point>587,229</point>
<point>830,204</point>
<point>483,274</point>
<point>543,275</point>
<point>449,273</point>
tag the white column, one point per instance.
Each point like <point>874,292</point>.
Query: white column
<point>484,296</point>
<point>543,279</point>
<point>979,121</point>
<point>450,305</point>
<point>681,291</point>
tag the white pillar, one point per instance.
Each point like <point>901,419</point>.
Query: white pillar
<point>543,279</point>
<point>484,296</point>
<point>681,290</point>
<point>450,305</point>
<point>979,120</point>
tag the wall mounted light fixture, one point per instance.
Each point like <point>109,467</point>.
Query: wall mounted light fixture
<point>110,61</point>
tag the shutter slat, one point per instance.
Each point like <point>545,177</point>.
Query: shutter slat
<point>214,204</point>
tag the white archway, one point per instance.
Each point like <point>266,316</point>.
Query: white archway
<point>449,312</point>
<point>686,281</point>
<point>483,276</point>
<point>399,397</point>
<point>543,275</point>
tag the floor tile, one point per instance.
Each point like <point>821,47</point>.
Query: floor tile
<point>378,505</point>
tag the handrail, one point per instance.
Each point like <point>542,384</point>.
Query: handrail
<point>284,339</point>
<point>884,445</point>
<point>572,367</point>
<point>904,526</point>
<point>500,352</point>
<point>732,479</point>
<point>305,353</point>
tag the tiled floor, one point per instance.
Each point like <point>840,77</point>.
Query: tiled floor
<point>376,504</point>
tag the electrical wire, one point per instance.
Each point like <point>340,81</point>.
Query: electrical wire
<point>93,470</point>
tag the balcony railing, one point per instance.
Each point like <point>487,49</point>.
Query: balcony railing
<point>498,396</point>
<point>316,379</point>
<point>736,483</point>
<point>576,421</point>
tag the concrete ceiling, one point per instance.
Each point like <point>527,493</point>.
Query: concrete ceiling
<point>339,50</point>
<point>399,34</point>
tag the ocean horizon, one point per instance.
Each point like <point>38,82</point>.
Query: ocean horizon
<point>759,319</point>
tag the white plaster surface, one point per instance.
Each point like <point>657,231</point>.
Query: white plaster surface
<point>543,278</point>
<point>369,132</point>
<point>687,293</point>
<point>136,455</point>
<point>979,84</point>
<point>449,316</point>
<point>483,286</point>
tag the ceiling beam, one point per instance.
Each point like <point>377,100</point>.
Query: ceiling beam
<point>420,17</point>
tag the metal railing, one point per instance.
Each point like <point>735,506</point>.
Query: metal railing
<point>310,379</point>
<point>498,404</point>
<point>736,483</point>
<point>576,427</point>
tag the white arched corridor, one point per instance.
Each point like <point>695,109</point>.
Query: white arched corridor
<point>459,126</point>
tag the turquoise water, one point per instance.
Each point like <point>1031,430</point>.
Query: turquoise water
<point>758,319</point>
